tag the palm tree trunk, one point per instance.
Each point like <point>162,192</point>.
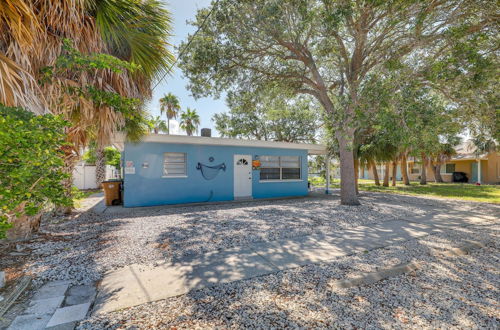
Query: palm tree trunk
<point>423,172</point>
<point>23,226</point>
<point>168,126</point>
<point>438,176</point>
<point>100,166</point>
<point>394,171</point>
<point>375,173</point>
<point>386,174</point>
<point>404,170</point>
<point>356,173</point>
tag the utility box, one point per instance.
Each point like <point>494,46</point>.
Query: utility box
<point>112,193</point>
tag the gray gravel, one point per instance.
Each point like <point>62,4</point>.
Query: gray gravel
<point>446,292</point>
<point>83,248</point>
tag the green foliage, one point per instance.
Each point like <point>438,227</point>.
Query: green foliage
<point>111,155</point>
<point>136,31</point>
<point>267,116</point>
<point>157,125</point>
<point>190,121</point>
<point>71,60</point>
<point>31,163</point>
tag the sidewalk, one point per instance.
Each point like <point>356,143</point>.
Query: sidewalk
<point>139,284</point>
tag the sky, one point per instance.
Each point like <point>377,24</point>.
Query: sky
<point>183,10</point>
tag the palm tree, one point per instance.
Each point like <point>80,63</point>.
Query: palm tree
<point>130,30</point>
<point>190,121</point>
<point>156,124</point>
<point>171,106</point>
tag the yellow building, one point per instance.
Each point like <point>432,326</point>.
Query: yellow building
<point>483,168</point>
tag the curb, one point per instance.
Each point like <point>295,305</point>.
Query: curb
<point>370,278</point>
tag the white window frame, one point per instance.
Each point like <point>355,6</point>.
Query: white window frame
<point>443,168</point>
<point>280,166</point>
<point>175,175</point>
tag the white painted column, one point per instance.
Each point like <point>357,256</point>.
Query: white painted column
<point>327,189</point>
<point>479,170</point>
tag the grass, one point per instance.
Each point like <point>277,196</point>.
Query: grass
<point>461,191</point>
<point>79,195</point>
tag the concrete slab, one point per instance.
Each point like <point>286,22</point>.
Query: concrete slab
<point>305,250</point>
<point>461,219</point>
<point>44,306</point>
<point>51,290</point>
<point>69,314</point>
<point>65,326</point>
<point>371,278</point>
<point>29,322</point>
<point>137,284</point>
<point>80,294</point>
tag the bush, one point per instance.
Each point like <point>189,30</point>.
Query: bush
<point>31,164</point>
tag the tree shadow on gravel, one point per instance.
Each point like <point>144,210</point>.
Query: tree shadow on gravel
<point>376,305</point>
<point>446,292</point>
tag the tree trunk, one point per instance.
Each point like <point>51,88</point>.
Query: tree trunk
<point>404,170</point>
<point>386,174</point>
<point>168,126</point>
<point>100,166</point>
<point>23,226</point>
<point>347,178</point>
<point>70,159</point>
<point>356,173</point>
<point>438,176</point>
<point>423,172</point>
<point>394,172</point>
<point>375,173</point>
<point>433,169</point>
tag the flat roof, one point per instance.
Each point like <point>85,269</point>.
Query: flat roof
<point>312,149</point>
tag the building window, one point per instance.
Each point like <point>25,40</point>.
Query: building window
<point>414,168</point>
<point>447,169</point>
<point>280,168</point>
<point>174,164</point>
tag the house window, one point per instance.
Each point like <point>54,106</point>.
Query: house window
<point>174,164</point>
<point>280,168</point>
<point>448,169</point>
<point>414,169</point>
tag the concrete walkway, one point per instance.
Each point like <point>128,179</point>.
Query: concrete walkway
<point>139,284</point>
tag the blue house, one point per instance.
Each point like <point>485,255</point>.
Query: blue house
<point>175,169</point>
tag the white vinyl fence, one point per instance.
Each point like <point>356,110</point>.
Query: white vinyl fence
<point>84,175</point>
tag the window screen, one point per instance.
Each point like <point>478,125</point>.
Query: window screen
<point>290,167</point>
<point>174,164</point>
<point>450,168</point>
<point>280,168</point>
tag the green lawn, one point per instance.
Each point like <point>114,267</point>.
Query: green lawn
<point>483,193</point>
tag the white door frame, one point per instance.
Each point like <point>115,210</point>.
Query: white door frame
<point>242,176</point>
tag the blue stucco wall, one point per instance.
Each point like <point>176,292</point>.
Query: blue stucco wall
<point>147,187</point>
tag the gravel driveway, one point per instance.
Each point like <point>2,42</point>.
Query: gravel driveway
<point>447,292</point>
<point>83,248</point>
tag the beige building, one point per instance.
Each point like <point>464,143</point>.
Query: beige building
<point>483,168</point>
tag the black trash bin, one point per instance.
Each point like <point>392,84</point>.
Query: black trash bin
<point>460,177</point>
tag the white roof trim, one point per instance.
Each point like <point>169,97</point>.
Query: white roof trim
<point>312,149</point>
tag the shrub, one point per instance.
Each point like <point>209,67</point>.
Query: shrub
<point>31,164</point>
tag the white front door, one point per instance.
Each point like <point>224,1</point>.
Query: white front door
<point>242,176</point>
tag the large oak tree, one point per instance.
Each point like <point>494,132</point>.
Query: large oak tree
<point>326,49</point>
